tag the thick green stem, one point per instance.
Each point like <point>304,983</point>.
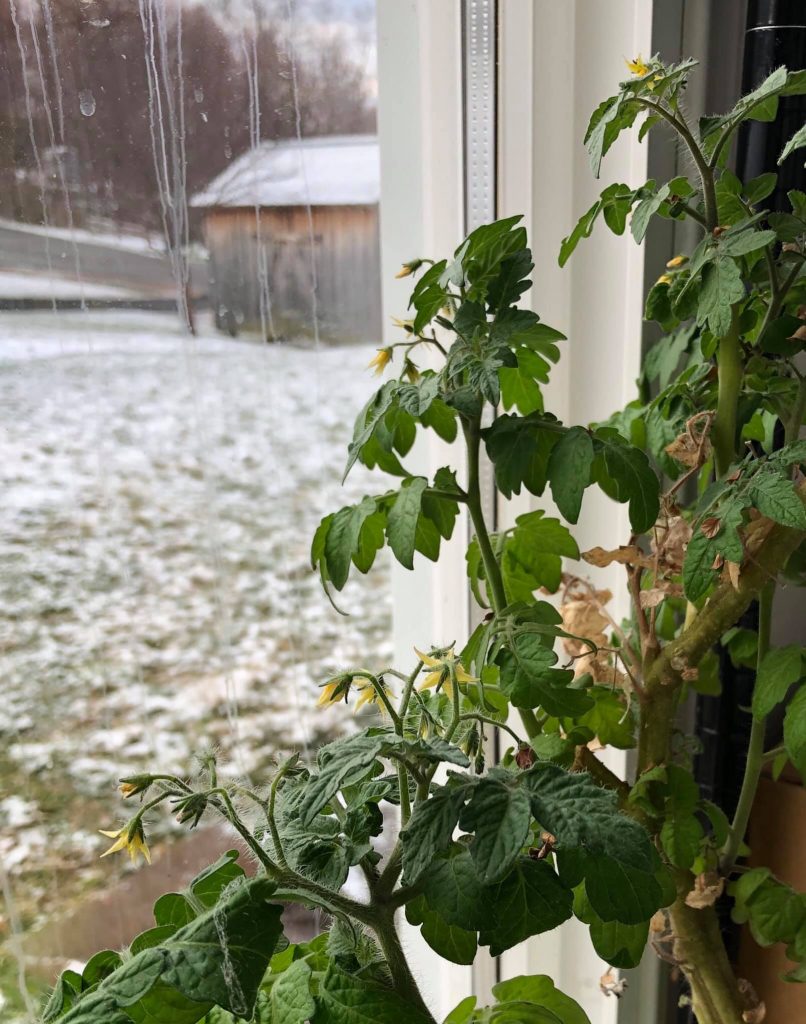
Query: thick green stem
<point>700,951</point>
<point>755,749</point>
<point>492,570</point>
<point>657,721</point>
<point>731,369</point>
<point>402,978</point>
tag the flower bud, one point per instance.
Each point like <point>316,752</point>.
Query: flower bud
<point>191,808</point>
<point>134,785</point>
<point>409,268</point>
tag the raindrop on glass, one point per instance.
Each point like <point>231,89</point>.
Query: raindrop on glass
<point>99,22</point>
<point>198,95</point>
<point>86,102</point>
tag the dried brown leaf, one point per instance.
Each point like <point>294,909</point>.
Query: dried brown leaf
<point>611,985</point>
<point>625,554</point>
<point>708,887</point>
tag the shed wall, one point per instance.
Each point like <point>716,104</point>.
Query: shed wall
<point>346,260</point>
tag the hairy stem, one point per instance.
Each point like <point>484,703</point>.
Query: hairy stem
<point>731,369</point>
<point>706,173</point>
<point>402,978</point>
<point>755,749</point>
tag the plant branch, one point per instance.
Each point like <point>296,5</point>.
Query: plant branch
<point>755,749</point>
<point>586,761</point>
<point>731,370</point>
<point>705,171</point>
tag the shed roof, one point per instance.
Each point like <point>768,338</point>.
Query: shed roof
<point>329,170</point>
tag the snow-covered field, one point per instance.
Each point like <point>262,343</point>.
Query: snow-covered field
<point>35,285</point>
<point>159,494</point>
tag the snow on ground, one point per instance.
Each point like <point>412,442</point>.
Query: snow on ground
<point>37,285</point>
<point>149,244</point>
<point>160,494</point>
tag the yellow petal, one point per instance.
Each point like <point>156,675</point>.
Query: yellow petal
<point>120,844</point>
<point>137,846</point>
<point>326,695</point>
<point>462,676</point>
<point>430,660</point>
<point>432,679</point>
<point>112,835</point>
<point>637,66</point>
<point>365,696</point>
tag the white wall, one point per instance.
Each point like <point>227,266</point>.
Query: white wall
<point>557,61</point>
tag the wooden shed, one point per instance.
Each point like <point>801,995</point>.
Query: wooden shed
<point>293,236</point>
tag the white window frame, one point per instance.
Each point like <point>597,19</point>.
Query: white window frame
<point>556,62</point>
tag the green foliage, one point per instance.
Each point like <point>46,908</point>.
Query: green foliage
<point>492,854</point>
<point>218,958</point>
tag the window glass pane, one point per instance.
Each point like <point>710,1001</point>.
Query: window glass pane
<point>189,298</point>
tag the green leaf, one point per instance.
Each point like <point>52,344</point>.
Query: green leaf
<point>441,419</point>
<point>797,141</point>
<point>621,945</point>
<point>795,731</point>
<point>578,813</point>
<point>290,998</point>
<point>430,829</point>
<point>607,122</point>
<point>463,1012</point>
<point>519,389</point>
<point>722,286</point>
<point>774,911</point>
<point>776,497</point>
<point>369,420</point>
<point>744,242</point>
<point>583,229</point>
<point>624,474</point>
<point>450,941</point>
<point>429,296</point>
<point>645,210</point>
<point>530,900</point>
<point>532,555</point>
<point>609,719</point>
<point>539,990</point>
<point>498,816</point>
<point>401,524</point>
<point>779,669</point>
<point>698,564</point>
<point>681,833</point>
<point>529,679</point>
<point>341,763</point>
<point>454,890</point>
<point>569,471</point>
<point>217,959</point>
<point>616,891</point>
<point>519,448</point>
<point>345,999</point>
<point>342,540</point>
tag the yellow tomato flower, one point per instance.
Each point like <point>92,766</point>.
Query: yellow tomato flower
<point>380,361</point>
<point>637,66</point>
<point>335,689</point>
<point>441,676</point>
<point>368,694</point>
<point>664,279</point>
<point>130,839</point>
<point>676,261</point>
